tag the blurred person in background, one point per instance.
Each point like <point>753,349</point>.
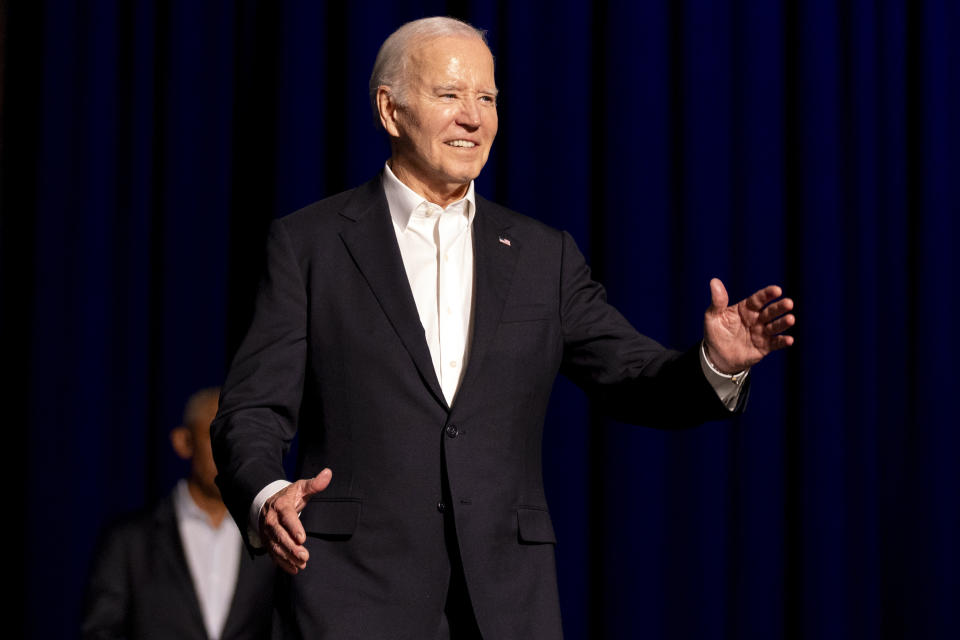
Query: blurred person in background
<point>179,570</point>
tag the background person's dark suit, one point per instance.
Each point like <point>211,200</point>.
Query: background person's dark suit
<point>336,347</point>
<point>140,586</point>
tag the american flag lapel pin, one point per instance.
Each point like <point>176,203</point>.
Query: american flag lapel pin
<point>505,241</point>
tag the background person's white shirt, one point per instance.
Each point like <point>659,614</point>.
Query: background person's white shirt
<point>213,557</point>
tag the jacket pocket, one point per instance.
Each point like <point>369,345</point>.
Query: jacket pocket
<point>331,517</point>
<point>534,526</point>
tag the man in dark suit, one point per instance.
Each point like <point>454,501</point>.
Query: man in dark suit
<point>179,570</point>
<point>412,331</point>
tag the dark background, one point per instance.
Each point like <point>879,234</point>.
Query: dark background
<point>147,145</point>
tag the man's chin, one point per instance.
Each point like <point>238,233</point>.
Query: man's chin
<point>463,177</point>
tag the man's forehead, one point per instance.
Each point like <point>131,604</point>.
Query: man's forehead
<point>437,52</point>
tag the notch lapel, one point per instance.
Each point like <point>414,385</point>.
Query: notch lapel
<point>372,244</point>
<point>245,596</point>
<point>495,254</point>
<point>174,556</point>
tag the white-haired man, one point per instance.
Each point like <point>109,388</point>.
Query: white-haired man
<point>412,331</point>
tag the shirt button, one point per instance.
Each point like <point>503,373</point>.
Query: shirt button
<point>452,431</point>
<point>441,507</point>
<point>446,258</point>
<point>453,363</point>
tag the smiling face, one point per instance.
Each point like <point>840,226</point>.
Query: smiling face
<point>441,135</point>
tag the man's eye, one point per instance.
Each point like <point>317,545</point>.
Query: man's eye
<point>449,95</point>
<point>488,99</point>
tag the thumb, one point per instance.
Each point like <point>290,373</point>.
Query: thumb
<point>317,483</point>
<point>718,296</point>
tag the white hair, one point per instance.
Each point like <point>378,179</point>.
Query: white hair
<point>390,67</point>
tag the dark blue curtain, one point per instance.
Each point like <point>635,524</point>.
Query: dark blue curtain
<point>147,145</point>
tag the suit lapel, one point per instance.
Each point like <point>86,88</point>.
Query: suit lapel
<point>243,597</point>
<point>175,557</point>
<point>372,243</point>
<point>495,258</point>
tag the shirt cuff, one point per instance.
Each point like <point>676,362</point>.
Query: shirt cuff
<point>253,520</point>
<point>726,386</point>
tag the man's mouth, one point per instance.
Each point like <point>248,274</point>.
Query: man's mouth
<point>461,143</point>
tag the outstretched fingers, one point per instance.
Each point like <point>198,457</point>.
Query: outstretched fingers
<point>780,342</point>
<point>279,531</point>
<point>759,300</point>
<point>283,559</point>
<point>280,526</point>
<point>779,325</point>
<point>289,521</point>
<point>775,309</point>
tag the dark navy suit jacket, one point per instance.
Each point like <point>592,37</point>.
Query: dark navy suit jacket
<point>336,350</point>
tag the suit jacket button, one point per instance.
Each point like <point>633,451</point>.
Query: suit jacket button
<point>441,507</point>
<point>452,430</point>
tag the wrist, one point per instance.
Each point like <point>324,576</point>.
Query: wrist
<point>718,364</point>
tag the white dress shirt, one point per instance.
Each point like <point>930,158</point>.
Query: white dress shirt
<point>213,556</point>
<point>436,245</point>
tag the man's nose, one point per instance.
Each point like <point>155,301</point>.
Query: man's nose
<point>469,113</point>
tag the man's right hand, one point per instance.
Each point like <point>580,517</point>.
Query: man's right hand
<point>280,530</point>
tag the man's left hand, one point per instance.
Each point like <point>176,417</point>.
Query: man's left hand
<point>739,336</point>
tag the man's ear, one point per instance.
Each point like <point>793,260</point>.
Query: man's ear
<point>182,440</point>
<point>387,107</point>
